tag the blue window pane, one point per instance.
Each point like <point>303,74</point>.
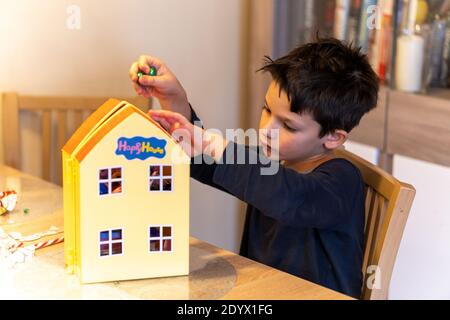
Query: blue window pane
<point>117,234</point>
<point>154,232</point>
<point>103,188</point>
<point>104,236</point>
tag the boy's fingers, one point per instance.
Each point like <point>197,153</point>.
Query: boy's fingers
<point>155,114</point>
<point>143,91</point>
<point>170,116</point>
<point>163,123</point>
<point>134,69</point>
<point>144,63</point>
<point>151,61</point>
<point>151,80</point>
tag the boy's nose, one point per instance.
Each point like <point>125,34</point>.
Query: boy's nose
<point>269,128</point>
<point>270,133</point>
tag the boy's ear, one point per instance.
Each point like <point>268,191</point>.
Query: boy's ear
<point>335,139</point>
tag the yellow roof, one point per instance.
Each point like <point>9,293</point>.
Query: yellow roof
<point>92,131</point>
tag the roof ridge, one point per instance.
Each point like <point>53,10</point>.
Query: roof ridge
<point>101,122</point>
<point>89,124</point>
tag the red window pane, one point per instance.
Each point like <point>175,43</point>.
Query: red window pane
<point>167,245</point>
<point>167,184</point>
<point>167,231</point>
<point>155,171</point>
<point>116,173</point>
<point>103,174</point>
<point>116,187</point>
<point>104,249</point>
<point>155,184</point>
<point>116,248</point>
<point>167,171</point>
<point>155,245</point>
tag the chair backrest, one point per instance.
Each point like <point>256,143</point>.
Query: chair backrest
<point>60,117</point>
<point>387,205</point>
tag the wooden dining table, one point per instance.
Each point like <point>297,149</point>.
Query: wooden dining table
<point>215,273</point>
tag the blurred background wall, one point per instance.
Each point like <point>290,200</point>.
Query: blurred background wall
<point>200,40</point>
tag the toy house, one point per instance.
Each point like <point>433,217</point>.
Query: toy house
<point>126,198</point>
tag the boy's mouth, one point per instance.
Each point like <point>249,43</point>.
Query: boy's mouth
<point>268,150</point>
<point>270,153</point>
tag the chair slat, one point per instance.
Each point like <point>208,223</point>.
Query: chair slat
<point>376,230</point>
<point>368,200</point>
<point>77,118</point>
<point>11,137</point>
<point>46,143</point>
<point>61,140</point>
<point>368,239</point>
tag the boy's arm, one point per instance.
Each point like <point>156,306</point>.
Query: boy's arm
<point>200,170</point>
<point>320,199</point>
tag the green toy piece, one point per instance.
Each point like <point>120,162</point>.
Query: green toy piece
<point>152,72</point>
<point>26,210</point>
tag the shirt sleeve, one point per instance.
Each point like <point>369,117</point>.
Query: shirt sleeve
<point>319,199</point>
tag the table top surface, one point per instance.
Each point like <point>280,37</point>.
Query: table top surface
<point>214,273</point>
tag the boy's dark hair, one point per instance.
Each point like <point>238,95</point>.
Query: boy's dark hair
<point>328,79</point>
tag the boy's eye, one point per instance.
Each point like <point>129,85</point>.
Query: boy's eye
<point>289,128</point>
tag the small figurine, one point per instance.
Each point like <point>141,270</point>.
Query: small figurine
<point>8,200</point>
<point>152,73</point>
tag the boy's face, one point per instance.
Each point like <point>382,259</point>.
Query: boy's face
<point>297,135</point>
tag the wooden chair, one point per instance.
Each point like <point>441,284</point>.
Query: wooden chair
<point>387,205</point>
<point>69,113</point>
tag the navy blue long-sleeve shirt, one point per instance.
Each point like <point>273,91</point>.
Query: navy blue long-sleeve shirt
<point>309,225</point>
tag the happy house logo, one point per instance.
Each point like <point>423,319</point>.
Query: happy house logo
<point>141,148</point>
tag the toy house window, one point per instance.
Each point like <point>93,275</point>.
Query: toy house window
<point>110,181</point>
<point>111,242</point>
<point>160,178</point>
<point>161,238</point>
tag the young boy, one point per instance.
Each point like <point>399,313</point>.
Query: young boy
<point>307,219</point>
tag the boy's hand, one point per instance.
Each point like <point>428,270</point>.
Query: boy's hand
<point>164,86</point>
<point>194,140</point>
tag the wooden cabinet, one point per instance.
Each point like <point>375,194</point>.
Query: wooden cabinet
<point>418,126</point>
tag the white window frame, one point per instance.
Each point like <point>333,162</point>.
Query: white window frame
<point>110,242</point>
<point>161,177</point>
<point>160,238</point>
<point>110,181</point>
